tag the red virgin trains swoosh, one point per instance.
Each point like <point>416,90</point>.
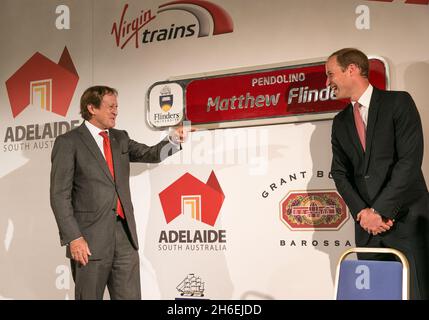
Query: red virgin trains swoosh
<point>203,11</point>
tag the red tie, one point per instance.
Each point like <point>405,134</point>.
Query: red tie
<point>109,160</point>
<point>360,126</point>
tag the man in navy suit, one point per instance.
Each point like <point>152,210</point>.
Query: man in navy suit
<point>376,165</point>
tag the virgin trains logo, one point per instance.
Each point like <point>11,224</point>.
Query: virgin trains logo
<point>211,20</point>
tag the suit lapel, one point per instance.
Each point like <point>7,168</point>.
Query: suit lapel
<point>92,146</point>
<point>372,119</point>
<point>352,129</point>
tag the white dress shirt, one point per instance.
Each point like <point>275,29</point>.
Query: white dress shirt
<point>95,132</point>
<point>364,101</point>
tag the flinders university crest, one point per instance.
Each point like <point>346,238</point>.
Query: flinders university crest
<point>165,105</point>
<point>166,99</point>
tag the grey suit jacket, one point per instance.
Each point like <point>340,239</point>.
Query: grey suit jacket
<point>83,193</point>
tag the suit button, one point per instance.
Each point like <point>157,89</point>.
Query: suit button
<point>367,177</point>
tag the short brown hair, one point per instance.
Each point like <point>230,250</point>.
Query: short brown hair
<point>348,56</point>
<point>94,95</point>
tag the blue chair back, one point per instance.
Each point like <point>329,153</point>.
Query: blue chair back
<point>370,279</point>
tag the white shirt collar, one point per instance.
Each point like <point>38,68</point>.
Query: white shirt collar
<point>93,129</point>
<point>95,133</point>
<point>364,101</point>
<point>365,98</point>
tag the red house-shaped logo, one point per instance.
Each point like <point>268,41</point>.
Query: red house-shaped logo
<point>44,83</point>
<point>189,196</point>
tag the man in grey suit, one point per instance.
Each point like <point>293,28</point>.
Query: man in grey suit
<point>91,201</point>
<point>377,146</point>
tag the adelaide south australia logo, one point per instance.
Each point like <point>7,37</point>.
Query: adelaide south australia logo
<point>42,88</point>
<point>199,204</point>
<point>43,83</point>
<point>313,210</point>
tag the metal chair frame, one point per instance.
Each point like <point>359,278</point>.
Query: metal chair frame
<point>403,259</point>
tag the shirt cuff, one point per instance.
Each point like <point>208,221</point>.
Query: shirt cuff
<point>74,240</point>
<point>172,139</point>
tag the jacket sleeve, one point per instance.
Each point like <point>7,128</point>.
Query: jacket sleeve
<point>62,173</point>
<point>409,152</point>
<point>140,152</point>
<point>342,172</point>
